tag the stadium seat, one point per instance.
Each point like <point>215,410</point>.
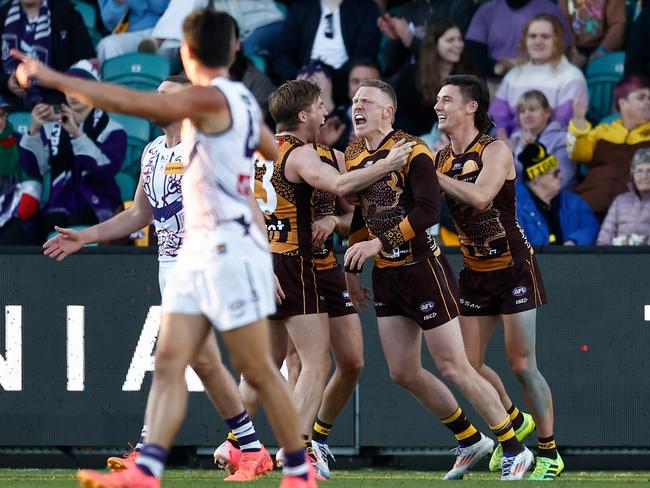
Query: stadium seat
<point>138,131</point>
<point>127,185</point>
<point>602,74</point>
<point>89,15</point>
<point>611,118</point>
<point>258,61</point>
<point>136,70</point>
<point>21,121</point>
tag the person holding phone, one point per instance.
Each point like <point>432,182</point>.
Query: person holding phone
<point>83,149</point>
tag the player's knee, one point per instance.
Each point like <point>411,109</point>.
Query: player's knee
<point>351,366</point>
<point>206,368</point>
<point>257,373</point>
<point>404,377</point>
<point>523,368</point>
<point>168,364</point>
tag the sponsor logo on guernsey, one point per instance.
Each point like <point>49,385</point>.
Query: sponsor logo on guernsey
<point>469,304</point>
<point>519,291</point>
<point>368,163</point>
<point>175,168</point>
<point>427,306</point>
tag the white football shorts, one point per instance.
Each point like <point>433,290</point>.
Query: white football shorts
<point>233,288</point>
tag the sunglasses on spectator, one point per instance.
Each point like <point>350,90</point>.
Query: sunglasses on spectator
<point>329,26</point>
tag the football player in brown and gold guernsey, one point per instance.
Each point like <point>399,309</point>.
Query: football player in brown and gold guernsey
<point>283,189</point>
<point>415,293</point>
<point>500,278</point>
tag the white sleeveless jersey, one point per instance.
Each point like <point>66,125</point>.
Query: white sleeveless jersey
<point>162,173</point>
<point>218,170</point>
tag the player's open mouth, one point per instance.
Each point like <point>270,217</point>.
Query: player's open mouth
<point>441,117</point>
<point>359,120</point>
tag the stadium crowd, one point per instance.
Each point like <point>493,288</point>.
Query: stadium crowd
<point>568,80</point>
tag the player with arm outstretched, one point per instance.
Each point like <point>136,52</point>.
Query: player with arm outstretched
<point>224,275</point>
<point>158,197</point>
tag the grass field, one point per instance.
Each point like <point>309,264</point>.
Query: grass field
<point>33,478</point>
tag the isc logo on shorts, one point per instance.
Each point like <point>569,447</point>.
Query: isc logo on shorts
<point>519,291</point>
<point>427,306</point>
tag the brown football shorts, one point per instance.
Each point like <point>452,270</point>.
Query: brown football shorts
<point>505,291</point>
<point>335,299</point>
<point>425,292</point>
<point>297,277</point>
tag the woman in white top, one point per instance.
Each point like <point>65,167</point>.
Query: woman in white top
<point>543,67</point>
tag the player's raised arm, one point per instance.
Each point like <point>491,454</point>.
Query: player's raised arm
<point>480,194</point>
<point>191,102</point>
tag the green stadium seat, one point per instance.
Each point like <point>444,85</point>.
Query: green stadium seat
<point>88,13</point>
<point>611,118</point>
<point>258,61</point>
<point>127,185</point>
<point>140,71</point>
<point>138,131</point>
<point>602,75</point>
<point>21,121</point>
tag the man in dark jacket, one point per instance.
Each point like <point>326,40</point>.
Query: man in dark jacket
<point>343,30</point>
<point>547,214</point>
<point>51,30</point>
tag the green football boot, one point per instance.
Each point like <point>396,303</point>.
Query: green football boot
<point>547,469</point>
<point>524,430</point>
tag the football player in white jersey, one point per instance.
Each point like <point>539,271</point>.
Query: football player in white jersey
<point>224,276</point>
<point>158,198</point>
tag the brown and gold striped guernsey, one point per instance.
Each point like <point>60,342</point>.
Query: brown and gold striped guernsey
<point>386,208</point>
<point>286,205</point>
<point>492,239</point>
<point>324,203</point>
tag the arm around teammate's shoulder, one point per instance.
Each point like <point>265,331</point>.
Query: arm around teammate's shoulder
<point>498,166</point>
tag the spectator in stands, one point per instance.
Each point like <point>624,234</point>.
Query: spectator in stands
<point>535,125</point>
<point>331,31</point>
<point>546,213</point>
<point>545,68</point>
<point>260,22</point>
<point>51,30</point>
<point>493,38</point>
<point>19,193</point>
<point>361,69</point>
<point>598,27</point>
<point>332,132</point>
<point>637,54</point>
<point>417,85</point>
<point>628,220</point>
<point>242,69</point>
<point>83,150</point>
<point>405,27</point>
<point>131,22</point>
<point>608,148</point>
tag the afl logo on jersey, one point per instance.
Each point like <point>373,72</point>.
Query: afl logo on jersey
<point>175,168</point>
<point>427,306</point>
<point>519,291</point>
